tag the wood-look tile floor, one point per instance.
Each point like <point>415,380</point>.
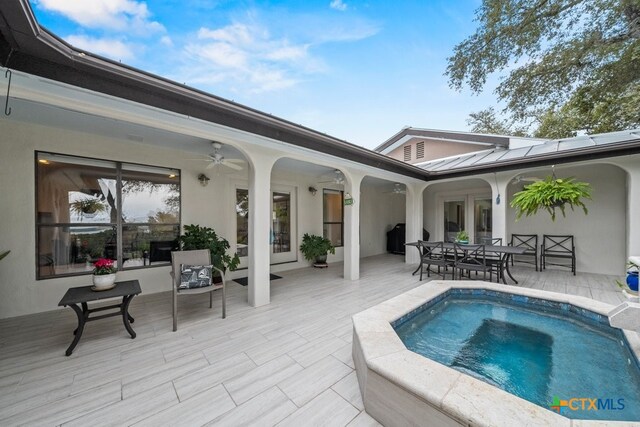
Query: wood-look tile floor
<point>287,363</point>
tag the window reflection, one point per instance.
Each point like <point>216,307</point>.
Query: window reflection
<point>79,220</point>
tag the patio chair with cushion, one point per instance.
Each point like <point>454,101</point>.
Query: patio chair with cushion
<point>201,257</point>
<point>471,258</point>
<point>558,247</point>
<point>530,243</point>
<point>433,254</point>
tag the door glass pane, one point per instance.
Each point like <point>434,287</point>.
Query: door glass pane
<point>332,205</point>
<point>281,223</point>
<point>453,219</point>
<point>333,232</point>
<point>482,221</point>
<point>242,222</point>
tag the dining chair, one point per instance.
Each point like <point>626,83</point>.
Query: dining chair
<point>471,258</point>
<point>558,246</point>
<point>433,254</point>
<point>530,243</point>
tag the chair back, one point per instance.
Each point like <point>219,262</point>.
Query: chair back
<point>529,241</point>
<point>194,257</point>
<point>492,241</point>
<point>432,250</point>
<point>559,245</point>
<point>472,255</point>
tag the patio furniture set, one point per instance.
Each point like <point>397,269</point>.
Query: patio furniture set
<point>490,257</point>
<point>79,297</point>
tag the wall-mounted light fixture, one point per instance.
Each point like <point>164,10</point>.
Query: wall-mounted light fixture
<point>313,190</point>
<point>203,179</point>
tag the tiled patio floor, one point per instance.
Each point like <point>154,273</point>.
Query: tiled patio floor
<point>288,363</point>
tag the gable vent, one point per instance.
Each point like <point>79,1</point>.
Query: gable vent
<point>407,153</point>
<point>420,150</point>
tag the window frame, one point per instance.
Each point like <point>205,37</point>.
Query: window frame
<point>324,190</point>
<point>118,224</point>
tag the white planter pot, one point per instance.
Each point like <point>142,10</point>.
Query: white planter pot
<point>104,282</point>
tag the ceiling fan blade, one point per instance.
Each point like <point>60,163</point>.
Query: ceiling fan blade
<point>231,165</point>
<point>210,165</point>
<point>201,160</point>
<point>239,161</point>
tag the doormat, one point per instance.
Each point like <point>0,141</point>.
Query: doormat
<point>244,281</point>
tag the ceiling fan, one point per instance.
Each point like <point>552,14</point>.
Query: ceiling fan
<point>521,178</point>
<point>216,158</point>
<point>337,179</point>
<point>397,189</point>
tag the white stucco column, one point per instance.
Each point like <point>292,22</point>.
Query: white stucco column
<point>414,219</point>
<point>352,227</point>
<point>259,228</point>
<point>499,211</point>
<point>633,210</point>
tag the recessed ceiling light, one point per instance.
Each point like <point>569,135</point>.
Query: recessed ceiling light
<point>43,161</point>
<point>172,175</point>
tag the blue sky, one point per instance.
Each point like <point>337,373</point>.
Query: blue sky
<point>359,71</point>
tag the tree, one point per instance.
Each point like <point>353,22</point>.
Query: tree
<point>486,121</point>
<point>571,62</point>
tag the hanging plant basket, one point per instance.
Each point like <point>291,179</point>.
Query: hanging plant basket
<point>550,194</point>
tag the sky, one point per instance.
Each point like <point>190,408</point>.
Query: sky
<point>359,71</point>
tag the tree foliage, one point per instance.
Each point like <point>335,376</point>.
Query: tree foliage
<point>573,64</point>
<point>487,121</point>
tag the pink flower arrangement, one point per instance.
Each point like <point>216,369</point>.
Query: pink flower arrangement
<point>104,266</point>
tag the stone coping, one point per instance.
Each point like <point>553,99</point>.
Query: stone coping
<point>465,399</point>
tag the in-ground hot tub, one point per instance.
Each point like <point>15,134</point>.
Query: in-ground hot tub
<point>401,387</point>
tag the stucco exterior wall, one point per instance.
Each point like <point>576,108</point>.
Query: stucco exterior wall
<point>213,206</point>
<point>434,149</point>
<point>379,213</point>
<point>600,236</point>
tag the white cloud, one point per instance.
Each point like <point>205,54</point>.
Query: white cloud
<point>111,48</point>
<point>167,41</point>
<point>338,5</point>
<point>129,15</point>
<point>248,54</point>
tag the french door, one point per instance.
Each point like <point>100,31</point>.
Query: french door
<point>283,220</point>
<point>468,212</point>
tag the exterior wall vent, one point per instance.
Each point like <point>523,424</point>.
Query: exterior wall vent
<point>407,153</point>
<point>420,150</point>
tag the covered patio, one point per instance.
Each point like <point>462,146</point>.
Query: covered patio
<point>286,363</point>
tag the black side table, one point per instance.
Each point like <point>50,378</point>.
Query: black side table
<point>77,297</point>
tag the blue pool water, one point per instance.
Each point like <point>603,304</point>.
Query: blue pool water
<point>534,352</point>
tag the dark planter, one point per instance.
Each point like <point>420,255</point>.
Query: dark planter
<point>632,280</point>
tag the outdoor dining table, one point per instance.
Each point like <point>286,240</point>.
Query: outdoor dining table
<point>505,252</point>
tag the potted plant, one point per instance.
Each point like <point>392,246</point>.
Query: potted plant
<point>104,274</point>
<point>88,207</point>
<point>315,248</point>
<point>196,237</point>
<point>549,194</point>
<point>462,237</point>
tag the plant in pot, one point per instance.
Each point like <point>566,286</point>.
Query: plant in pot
<point>88,207</point>
<point>197,237</point>
<point>462,237</point>
<point>104,274</point>
<point>315,248</point>
<point>549,194</point>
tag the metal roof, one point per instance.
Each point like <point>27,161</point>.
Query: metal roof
<point>559,150</point>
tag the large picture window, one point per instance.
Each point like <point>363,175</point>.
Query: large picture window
<point>88,209</point>
<point>333,222</point>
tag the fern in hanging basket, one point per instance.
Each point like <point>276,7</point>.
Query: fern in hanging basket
<point>549,194</point>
